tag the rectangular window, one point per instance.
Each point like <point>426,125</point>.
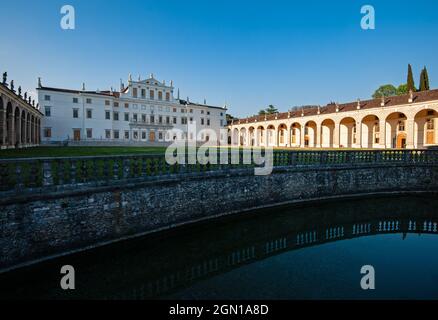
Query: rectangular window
<point>47,111</point>
<point>160,119</point>
<point>167,96</point>
<point>135,135</point>
<point>208,122</point>
<point>89,101</point>
<point>135,117</point>
<point>167,120</point>
<point>107,102</point>
<point>89,133</point>
<point>191,111</point>
<point>151,94</point>
<point>116,134</point>
<point>174,109</point>
<point>116,104</point>
<point>126,105</point>
<point>108,134</point>
<point>126,116</point>
<point>208,112</point>
<point>152,119</point>
<point>75,113</point>
<point>75,100</point>
<point>116,116</point>
<point>134,92</point>
<point>126,134</point>
<point>183,120</point>
<point>47,132</point>
<point>143,93</point>
<point>143,118</point>
<point>143,135</point>
<point>160,95</point>
<point>107,115</point>
<point>89,113</point>
<point>202,121</point>
<point>174,120</point>
<point>160,135</point>
<point>47,98</point>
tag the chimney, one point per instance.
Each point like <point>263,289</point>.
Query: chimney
<point>319,110</point>
<point>337,107</point>
<point>358,104</point>
<point>39,82</point>
<point>382,103</point>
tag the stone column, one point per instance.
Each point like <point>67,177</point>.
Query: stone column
<point>39,133</point>
<point>382,133</point>
<point>336,134</point>
<point>11,133</point>
<point>410,134</point>
<point>18,130</point>
<point>318,135</point>
<point>3,121</point>
<point>358,143</point>
<point>302,136</point>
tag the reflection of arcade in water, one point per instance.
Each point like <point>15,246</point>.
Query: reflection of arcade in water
<point>151,268</point>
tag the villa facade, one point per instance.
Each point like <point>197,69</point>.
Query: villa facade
<point>143,111</point>
<point>407,121</point>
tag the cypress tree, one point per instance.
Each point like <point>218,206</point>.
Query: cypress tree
<point>410,82</point>
<point>426,79</point>
<point>423,81</point>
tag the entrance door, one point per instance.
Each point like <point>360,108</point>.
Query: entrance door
<point>152,136</point>
<point>76,134</point>
<point>401,141</point>
<point>430,137</point>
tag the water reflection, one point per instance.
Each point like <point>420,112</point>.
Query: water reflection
<point>174,262</point>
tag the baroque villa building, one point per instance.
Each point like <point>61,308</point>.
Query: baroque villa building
<point>407,121</point>
<point>143,111</point>
<point>20,119</point>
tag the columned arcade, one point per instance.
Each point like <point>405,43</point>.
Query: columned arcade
<point>409,121</point>
<point>20,120</point>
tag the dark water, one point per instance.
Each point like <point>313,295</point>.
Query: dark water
<point>289,253</point>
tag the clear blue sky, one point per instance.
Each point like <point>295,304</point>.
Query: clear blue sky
<point>247,53</point>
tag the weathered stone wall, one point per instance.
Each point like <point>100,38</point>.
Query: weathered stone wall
<point>52,224</point>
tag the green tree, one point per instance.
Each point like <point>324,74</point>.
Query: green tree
<point>271,109</point>
<point>402,89</point>
<point>424,80</point>
<point>262,112</point>
<point>385,90</point>
<point>410,82</point>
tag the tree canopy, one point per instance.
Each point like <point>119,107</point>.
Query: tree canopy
<point>385,90</point>
<point>269,110</point>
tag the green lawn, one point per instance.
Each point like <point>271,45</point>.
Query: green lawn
<point>77,151</point>
<point>108,151</point>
